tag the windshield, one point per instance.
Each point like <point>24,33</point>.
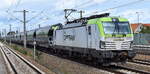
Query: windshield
<point>116,27</point>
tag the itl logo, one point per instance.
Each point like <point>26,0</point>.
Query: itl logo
<point>69,37</point>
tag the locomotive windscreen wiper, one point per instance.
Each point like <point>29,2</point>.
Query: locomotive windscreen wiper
<point>116,29</point>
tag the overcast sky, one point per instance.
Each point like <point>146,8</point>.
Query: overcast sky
<point>47,12</point>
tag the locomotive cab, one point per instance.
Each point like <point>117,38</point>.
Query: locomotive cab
<point>115,38</point>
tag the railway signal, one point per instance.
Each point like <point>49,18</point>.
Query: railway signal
<point>34,53</point>
<point>10,33</point>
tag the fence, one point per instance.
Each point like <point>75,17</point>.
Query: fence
<point>141,39</point>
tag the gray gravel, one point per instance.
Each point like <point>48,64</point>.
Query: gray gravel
<point>3,68</point>
<point>20,66</point>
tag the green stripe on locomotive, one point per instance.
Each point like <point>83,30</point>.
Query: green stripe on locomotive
<point>99,21</point>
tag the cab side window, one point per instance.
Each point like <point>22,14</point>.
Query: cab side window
<point>89,30</point>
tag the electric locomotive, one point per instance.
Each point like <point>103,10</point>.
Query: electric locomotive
<point>100,37</point>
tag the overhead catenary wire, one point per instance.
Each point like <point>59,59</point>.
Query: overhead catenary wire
<point>134,2</point>
<point>119,6</point>
<point>82,4</point>
<point>13,16</point>
<point>11,4</point>
<point>38,14</point>
<point>18,3</point>
<point>44,10</point>
<point>77,6</point>
<point>9,9</point>
<point>35,16</point>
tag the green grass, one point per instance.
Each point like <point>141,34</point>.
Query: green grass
<point>21,50</point>
<point>26,51</point>
<point>38,54</point>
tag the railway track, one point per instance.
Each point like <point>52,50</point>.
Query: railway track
<point>144,62</point>
<point>16,63</point>
<point>130,70</point>
<point>115,69</point>
<point>142,49</point>
<point>122,69</point>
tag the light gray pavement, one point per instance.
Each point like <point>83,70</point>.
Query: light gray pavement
<point>3,68</point>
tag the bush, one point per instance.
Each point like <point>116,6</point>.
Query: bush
<point>38,54</point>
<point>147,30</point>
<point>24,52</point>
<point>15,47</point>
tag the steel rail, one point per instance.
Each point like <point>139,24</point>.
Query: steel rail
<point>38,71</point>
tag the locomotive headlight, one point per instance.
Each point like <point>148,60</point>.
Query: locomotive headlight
<point>102,44</point>
<point>131,44</point>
